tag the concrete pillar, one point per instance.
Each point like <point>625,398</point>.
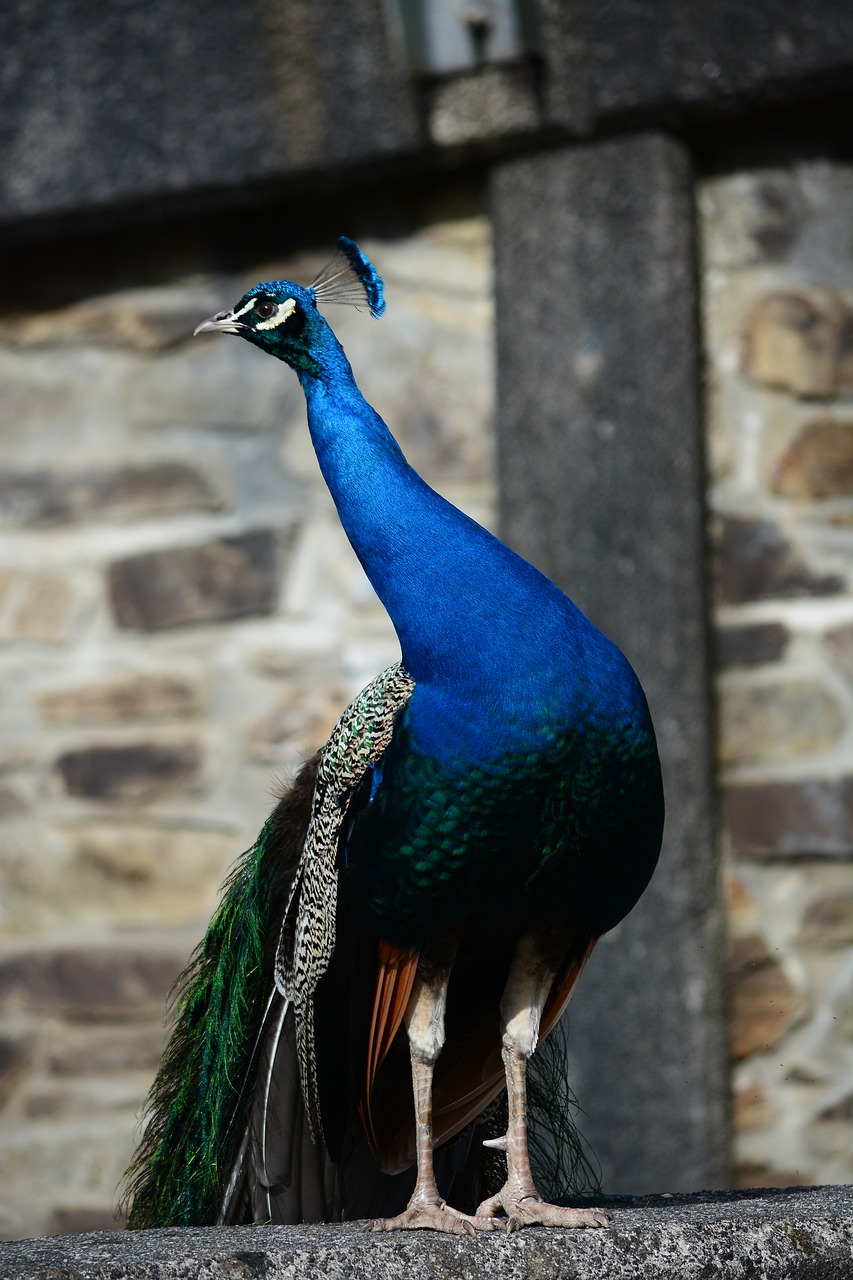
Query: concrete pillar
<point>602,488</point>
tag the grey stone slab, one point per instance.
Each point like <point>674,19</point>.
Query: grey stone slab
<point>601,482</point>
<point>121,102</point>
<point>798,1234</point>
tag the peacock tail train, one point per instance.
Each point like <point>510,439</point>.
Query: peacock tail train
<point>271,939</point>
<point>200,1098</point>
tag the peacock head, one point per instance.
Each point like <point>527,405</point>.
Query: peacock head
<point>282,317</point>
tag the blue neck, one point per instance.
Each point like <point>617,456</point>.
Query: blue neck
<point>449,587</point>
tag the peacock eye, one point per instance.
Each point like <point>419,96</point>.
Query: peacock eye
<point>264,308</point>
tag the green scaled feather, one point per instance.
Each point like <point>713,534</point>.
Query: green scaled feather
<point>198,1102</point>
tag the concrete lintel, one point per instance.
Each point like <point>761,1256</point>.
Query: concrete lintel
<point>106,108</point>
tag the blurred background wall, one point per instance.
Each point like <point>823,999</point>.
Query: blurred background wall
<point>616,243</point>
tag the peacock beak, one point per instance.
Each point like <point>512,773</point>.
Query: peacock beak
<point>222,322</point>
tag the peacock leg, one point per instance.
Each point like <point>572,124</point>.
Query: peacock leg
<point>531,975</point>
<point>424,1020</point>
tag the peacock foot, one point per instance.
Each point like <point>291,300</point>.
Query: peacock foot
<point>530,1211</point>
<point>434,1217</point>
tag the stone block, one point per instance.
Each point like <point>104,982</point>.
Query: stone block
<point>213,582</point>
<point>819,462</point>
<point>828,922</point>
<point>841,1110</point>
<point>39,605</point>
<point>742,907</point>
<point>14,1058</point>
<point>796,818</point>
<point>97,1050</point>
<point>144,875</point>
<point>798,341</point>
<point>782,720</point>
<point>763,1004</point>
<point>144,320</point>
<point>302,719</point>
<point>839,641</point>
<point>45,498</point>
<point>752,1108</point>
<point>216,383</point>
<point>12,802</point>
<point>753,560</point>
<point>752,216</point>
<point>760,1173</point>
<point>95,983</point>
<point>142,696</point>
<point>90,1099</point>
<point>131,771</point>
<point>49,1162</point>
<point>41,394</point>
<point>77,1219</point>
<point>752,645</point>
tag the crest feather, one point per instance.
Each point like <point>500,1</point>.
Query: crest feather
<point>350,278</point>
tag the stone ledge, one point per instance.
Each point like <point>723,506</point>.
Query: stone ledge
<point>801,1232</point>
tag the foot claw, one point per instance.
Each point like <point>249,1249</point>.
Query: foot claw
<point>433,1217</point>
<point>532,1212</point>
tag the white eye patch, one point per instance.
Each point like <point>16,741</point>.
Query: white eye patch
<point>235,315</point>
<point>282,312</point>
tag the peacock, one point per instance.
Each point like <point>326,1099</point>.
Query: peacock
<point>416,911</point>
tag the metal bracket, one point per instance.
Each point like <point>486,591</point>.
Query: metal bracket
<point>443,37</point>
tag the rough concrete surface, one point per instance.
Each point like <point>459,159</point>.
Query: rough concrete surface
<point>601,488</point>
<point>105,105</point>
<point>799,1232</point>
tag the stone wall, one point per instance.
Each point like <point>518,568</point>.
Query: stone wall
<point>181,621</point>
<point>778,275</point>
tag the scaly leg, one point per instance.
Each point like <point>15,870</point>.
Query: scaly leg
<point>425,1026</point>
<point>533,970</point>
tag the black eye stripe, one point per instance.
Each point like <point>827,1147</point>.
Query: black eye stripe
<point>295,323</point>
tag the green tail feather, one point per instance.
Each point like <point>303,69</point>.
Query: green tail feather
<point>199,1097</point>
